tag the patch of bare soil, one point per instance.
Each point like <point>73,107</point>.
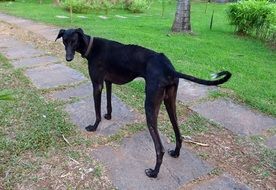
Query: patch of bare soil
<point>236,156</point>
<point>51,47</point>
<point>63,169</point>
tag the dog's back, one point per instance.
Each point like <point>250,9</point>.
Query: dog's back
<point>128,59</point>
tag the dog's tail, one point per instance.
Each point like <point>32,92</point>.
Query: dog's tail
<point>226,77</point>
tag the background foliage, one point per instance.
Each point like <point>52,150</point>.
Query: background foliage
<point>84,6</point>
<point>254,17</point>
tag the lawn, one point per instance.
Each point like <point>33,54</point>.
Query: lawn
<point>27,122</point>
<point>251,61</point>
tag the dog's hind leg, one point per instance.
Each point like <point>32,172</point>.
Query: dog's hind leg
<point>154,97</point>
<point>97,94</point>
<point>169,102</point>
<point>108,98</point>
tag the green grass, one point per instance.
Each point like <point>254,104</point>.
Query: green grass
<point>252,63</point>
<point>27,124</point>
<point>195,124</point>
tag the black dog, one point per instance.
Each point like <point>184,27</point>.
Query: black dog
<point>113,62</point>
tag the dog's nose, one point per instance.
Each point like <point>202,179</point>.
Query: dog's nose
<point>69,57</point>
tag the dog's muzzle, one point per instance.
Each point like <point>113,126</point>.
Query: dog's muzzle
<point>69,57</point>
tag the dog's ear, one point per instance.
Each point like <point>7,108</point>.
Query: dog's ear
<point>60,34</point>
<point>79,31</point>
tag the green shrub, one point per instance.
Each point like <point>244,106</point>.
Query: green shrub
<point>103,4</point>
<point>78,6</point>
<point>272,34</point>
<point>253,17</point>
<point>271,30</point>
<point>137,6</point>
<point>250,16</point>
<point>84,6</point>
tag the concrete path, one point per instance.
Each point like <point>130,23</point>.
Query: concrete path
<point>82,114</point>
<point>47,31</point>
<point>237,118</point>
<point>126,168</point>
<point>127,162</point>
<point>271,142</point>
<point>53,75</point>
<point>190,93</point>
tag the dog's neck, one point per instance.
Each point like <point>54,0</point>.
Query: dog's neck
<point>88,44</point>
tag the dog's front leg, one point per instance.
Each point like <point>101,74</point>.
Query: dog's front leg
<point>97,94</point>
<point>108,98</point>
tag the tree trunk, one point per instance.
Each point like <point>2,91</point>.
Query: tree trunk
<point>182,17</point>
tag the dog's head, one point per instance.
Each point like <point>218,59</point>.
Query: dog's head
<point>74,40</point>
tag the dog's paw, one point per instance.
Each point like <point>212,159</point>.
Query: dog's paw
<point>173,154</point>
<point>107,116</point>
<point>151,173</point>
<point>91,128</point>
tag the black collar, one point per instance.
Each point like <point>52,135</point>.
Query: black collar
<point>89,47</point>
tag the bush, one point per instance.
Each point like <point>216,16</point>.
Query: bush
<point>84,6</point>
<point>249,15</point>
<point>271,30</point>
<point>103,4</point>
<point>78,6</point>
<point>253,17</point>
<point>271,35</point>
<point>137,6</point>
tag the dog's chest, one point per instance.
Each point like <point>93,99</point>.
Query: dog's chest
<point>119,78</point>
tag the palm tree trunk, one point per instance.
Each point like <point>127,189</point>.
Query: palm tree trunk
<point>182,17</point>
